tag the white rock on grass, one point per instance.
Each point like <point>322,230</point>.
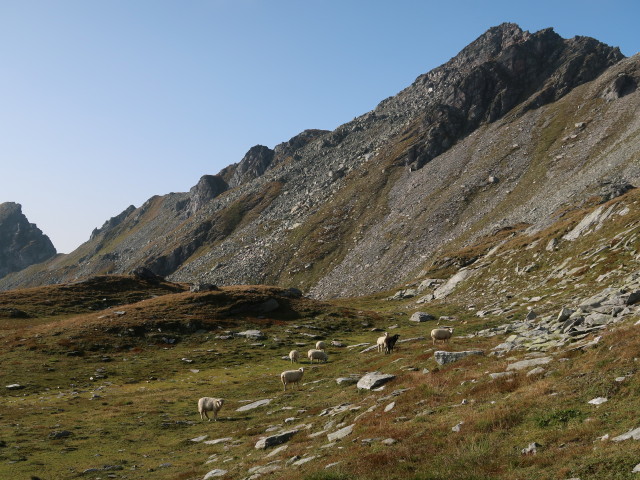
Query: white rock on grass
<point>373,380</point>
<point>390,407</point>
<point>215,473</point>
<point>533,362</point>
<point>256,404</point>
<point>635,434</point>
<point>343,432</point>
<point>598,401</point>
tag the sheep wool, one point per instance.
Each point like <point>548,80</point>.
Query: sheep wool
<point>294,355</point>
<point>209,404</point>
<point>291,376</point>
<point>319,355</point>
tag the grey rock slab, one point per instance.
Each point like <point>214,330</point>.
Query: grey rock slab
<point>218,440</point>
<point>215,473</point>
<point>533,362</point>
<point>536,371</point>
<point>497,375</point>
<point>252,335</point>
<point>256,404</point>
<point>635,434</point>
<point>199,439</point>
<point>266,442</point>
<point>339,434</point>
<point>598,401</point>
<point>444,290</point>
<point>443,358</point>
<point>347,380</point>
<point>304,460</point>
<point>421,317</point>
<point>374,380</point>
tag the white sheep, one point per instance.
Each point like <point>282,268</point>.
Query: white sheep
<point>381,340</point>
<point>291,376</point>
<point>443,334</point>
<point>320,345</point>
<point>208,404</point>
<point>319,355</point>
<point>294,355</point>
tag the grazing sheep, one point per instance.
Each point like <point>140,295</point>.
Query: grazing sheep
<point>381,340</point>
<point>291,376</point>
<point>317,355</point>
<point>390,342</point>
<point>320,345</point>
<point>443,334</point>
<point>208,404</point>
<point>294,355</point>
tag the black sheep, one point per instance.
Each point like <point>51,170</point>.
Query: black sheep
<point>390,342</point>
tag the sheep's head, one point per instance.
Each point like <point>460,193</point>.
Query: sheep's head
<point>301,369</point>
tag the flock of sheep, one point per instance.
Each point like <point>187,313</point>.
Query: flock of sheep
<point>385,344</point>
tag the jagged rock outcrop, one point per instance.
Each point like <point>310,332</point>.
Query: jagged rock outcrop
<point>208,188</point>
<point>21,243</point>
<point>112,222</point>
<point>254,164</point>
<point>515,127</point>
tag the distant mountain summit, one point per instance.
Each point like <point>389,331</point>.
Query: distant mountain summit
<point>21,243</point>
<point>515,130</point>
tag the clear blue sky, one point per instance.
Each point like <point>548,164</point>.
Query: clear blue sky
<point>106,103</point>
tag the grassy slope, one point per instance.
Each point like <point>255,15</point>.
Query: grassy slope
<point>143,414</point>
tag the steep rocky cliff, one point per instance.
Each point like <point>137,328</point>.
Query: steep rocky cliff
<point>514,130</point>
<point>21,243</point>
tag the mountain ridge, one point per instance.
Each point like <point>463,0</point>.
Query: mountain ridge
<point>342,212</point>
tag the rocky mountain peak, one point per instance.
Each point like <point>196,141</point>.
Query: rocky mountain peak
<point>254,164</point>
<point>21,243</point>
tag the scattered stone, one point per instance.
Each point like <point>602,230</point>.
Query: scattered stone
<point>531,449</point>
<point>389,441</point>
<point>218,440</point>
<point>332,465</point>
<point>276,451</point>
<point>636,469</point>
<point>389,407</point>
<point>304,460</point>
<point>266,442</point>
<point>598,401</point>
<point>60,434</point>
<point>252,335</point>
<point>457,427</point>
<point>498,375</point>
<point>203,287</point>
<point>635,434</point>
<point>347,380</point>
<point>443,358</point>
<point>374,380</point>
<point>256,404</point>
<point>199,439</point>
<point>536,371</point>
<point>533,362</point>
<point>343,432</point>
<point>14,386</point>
<point>421,317</point>
<point>215,473</point>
